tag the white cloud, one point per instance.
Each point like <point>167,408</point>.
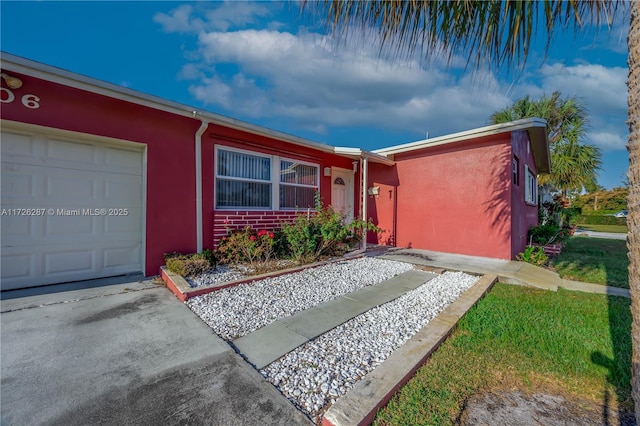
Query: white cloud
<point>315,83</point>
<point>186,19</point>
<point>179,20</point>
<point>302,77</point>
<point>603,88</point>
<point>607,140</point>
<point>213,91</point>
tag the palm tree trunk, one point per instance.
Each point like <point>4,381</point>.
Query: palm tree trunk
<point>633,220</point>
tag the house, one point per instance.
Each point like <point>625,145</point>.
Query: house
<point>473,192</point>
<point>99,180</point>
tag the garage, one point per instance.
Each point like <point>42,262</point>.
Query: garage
<point>72,206</point>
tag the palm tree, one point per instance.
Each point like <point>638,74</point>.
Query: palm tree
<point>499,33</point>
<point>573,163</point>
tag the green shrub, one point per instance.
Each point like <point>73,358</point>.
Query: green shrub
<point>187,265</point>
<point>570,214</point>
<point>246,246</point>
<point>600,220</point>
<point>533,255</point>
<point>210,255</point>
<point>302,238</point>
<point>325,233</point>
<point>545,234</point>
<point>281,248</point>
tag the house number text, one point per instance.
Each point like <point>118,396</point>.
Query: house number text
<point>28,100</point>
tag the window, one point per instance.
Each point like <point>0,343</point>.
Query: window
<point>515,168</point>
<point>243,180</point>
<point>298,183</point>
<point>531,190</point>
<point>257,181</point>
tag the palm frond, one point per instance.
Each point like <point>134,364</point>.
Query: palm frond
<point>499,32</point>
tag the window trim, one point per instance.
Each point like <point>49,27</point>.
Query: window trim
<point>237,179</point>
<point>301,185</point>
<point>531,188</point>
<point>274,164</point>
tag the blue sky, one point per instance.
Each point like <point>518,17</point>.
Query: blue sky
<point>263,63</point>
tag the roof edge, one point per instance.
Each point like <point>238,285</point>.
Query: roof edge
<point>494,129</point>
<point>360,153</point>
<point>36,69</point>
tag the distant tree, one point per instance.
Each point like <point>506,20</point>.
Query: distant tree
<point>608,200</point>
<point>574,164</point>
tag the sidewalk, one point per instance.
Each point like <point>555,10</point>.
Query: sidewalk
<point>269,343</point>
<point>508,271</point>
<point>597,234</point>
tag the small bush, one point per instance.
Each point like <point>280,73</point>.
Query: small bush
<point>326,233</point>
<point>569,215</point>
<point>210,255</point>
<point>302,238</point>
<point>187,265</point>
<point>246,246</point>
<point>281,248</point>
<point>545,234</point>
<point>533,255</point>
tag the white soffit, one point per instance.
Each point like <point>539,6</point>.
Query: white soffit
<point>357,153</point>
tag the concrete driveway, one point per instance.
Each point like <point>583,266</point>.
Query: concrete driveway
<point>124,354</point>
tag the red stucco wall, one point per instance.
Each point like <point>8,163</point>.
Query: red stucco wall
<point>525,215</point>
<point>222,136</point>
<point>170,215</point>
<point>170,159</point>
<point>453,198</point>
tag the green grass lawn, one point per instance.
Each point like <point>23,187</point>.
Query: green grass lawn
<point>622,229</point>
<point>566,343</point>
<point>594,260</point>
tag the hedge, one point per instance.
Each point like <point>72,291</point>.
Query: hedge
<point>600,220</point>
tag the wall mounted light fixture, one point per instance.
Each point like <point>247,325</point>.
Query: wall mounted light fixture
<point>12,82</point>
<point>374,190</point>
<point>327,171</point>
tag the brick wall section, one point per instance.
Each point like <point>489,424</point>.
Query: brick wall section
<point>224,220</point>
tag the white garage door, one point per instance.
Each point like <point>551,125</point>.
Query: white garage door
<point>71,208</point>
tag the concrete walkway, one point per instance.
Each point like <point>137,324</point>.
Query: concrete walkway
<point>508,271</point>
<point>124,354</point>
<point>269,343</point>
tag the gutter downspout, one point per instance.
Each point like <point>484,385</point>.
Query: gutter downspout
<point>365,169</point>
<point>198,140</point>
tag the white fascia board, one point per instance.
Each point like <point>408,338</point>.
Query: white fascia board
<point>35,69</point>
<point>357,153</point>
<point>523,124</point>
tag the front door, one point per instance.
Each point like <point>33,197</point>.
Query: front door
<point>342,192</point>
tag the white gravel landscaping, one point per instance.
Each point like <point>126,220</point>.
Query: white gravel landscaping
<point>318,372</point>
<point>222,274</point>
<point>237,311</point>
